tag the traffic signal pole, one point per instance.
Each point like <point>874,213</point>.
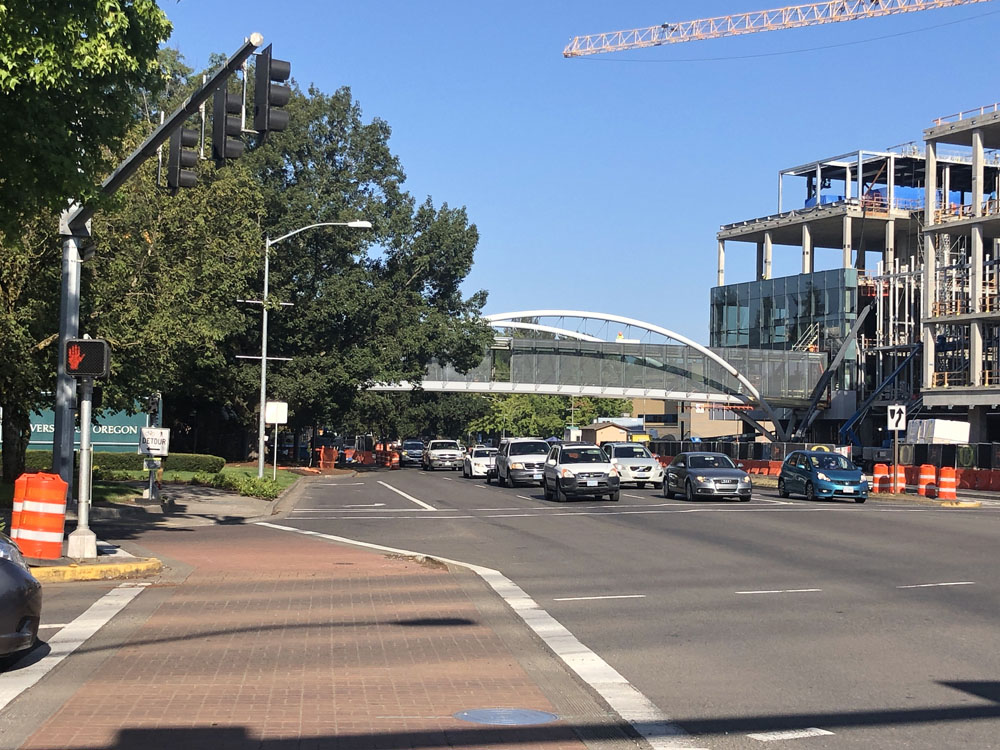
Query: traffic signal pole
<point>82,543</point>
<point>74,227</point>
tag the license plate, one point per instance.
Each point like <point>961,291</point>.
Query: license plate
<point>591,482</point>
<point>537,476</point>
<point>849,490</point>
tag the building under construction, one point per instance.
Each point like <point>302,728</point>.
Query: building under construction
<point>909,312</point>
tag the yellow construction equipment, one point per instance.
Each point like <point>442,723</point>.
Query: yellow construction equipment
<point>748,23</point>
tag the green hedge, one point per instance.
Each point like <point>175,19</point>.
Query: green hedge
<point>42,461</point>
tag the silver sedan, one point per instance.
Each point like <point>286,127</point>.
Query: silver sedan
<point>695,475</point>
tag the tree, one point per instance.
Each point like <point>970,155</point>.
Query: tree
<point>70,76</point>
<point>544,416</point>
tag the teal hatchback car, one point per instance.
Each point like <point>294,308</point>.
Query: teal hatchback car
<point>821,474</point>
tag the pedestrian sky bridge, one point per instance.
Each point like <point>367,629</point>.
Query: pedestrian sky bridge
<point>578,353</point>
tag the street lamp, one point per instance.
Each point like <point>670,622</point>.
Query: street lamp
<point>268,242</point>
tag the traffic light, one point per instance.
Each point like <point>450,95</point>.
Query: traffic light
<point>180,158</point>
<point>223,126</point>
<point>269,93</point>
<point>88,358</point>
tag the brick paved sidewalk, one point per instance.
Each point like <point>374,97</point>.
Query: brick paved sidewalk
<point>282,642</point>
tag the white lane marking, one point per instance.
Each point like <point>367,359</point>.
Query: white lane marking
<point>594,598</point>
<point>637,497</point>
<point>67,640</point>
<point>776,502</point>
<point>634,707</point>
<point>369,505</point>
<point>789,734</point>
<point>447,479</point>
<point>340,484</point>
<point>411,498</point>
<point>931,585</point>
<point>524,497</point>
<point>53,626</point>
<point>779,591</point>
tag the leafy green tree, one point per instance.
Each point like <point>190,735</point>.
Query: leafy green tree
<point>415,414</point>
<point>70,76</point>
<point>544,416</point>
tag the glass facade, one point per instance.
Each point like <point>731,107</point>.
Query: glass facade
<point>810,309</point>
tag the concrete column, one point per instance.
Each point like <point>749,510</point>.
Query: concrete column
<point>927,331</point>
<point>720,278</point>
<point>819,183</point>
<point>976,353</point>
<point>890,193</point>
<point>976,292</point>
<point>807,249</point>
<point>946,188</point>
<point>977,172</point>
<point>760,260</point>
<point>847,183</point>
<point>847,242</point>
<point>978,432</point>
<point>889,256</point>
<point>768,249</point>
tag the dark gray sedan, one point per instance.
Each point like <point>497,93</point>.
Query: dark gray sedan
<point>695,475</point>
<point>20,600</point>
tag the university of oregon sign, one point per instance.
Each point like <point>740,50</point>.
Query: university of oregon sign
<point>114,431</point>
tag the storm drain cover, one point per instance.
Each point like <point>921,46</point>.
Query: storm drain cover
<point>506,716</point>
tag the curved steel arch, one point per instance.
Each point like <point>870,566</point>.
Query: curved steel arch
<point>652,328</point>
<point>546,329</point>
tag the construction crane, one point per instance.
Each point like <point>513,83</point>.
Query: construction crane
<point>749,23</point>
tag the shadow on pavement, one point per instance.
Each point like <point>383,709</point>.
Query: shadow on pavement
<point>239,737</point>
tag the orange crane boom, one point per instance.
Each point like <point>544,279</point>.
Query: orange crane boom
<point>791,17</point>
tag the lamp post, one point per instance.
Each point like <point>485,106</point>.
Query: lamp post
<point>268,242</point>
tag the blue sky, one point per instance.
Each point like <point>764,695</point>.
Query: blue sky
<point>600,183</point>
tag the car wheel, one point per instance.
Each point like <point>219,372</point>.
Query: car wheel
<point>860,499</point>
<point>615,496</point>
<point>782,492</point>
<point>561,496</point>
<point>640,485</point>
<point>489,478</point>
<point>810,491</point>
<point>546,491</point>
<point>667,492</point>
<point>689,491</point>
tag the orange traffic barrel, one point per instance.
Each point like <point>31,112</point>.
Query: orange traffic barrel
<point>43,514</point>
<point>946,484</point>
<point>20,488</point>
<point>926,480</point>
<point>899,479</point>
<point>880,478</point>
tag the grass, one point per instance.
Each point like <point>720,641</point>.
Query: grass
<point>109,492</point>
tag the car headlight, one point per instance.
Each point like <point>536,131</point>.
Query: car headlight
<point>822,477</point>
<point>701,479</point>
<point>517,465</point>
<point>9,551</point>
<point>613,471</point>
<point>567,473</point>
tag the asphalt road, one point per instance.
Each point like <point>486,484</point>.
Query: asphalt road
<point>776,623</point>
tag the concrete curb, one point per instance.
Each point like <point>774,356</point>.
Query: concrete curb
<point>137,568</point>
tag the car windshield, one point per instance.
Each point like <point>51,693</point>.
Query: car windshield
<point>443,445</point>
<point>710,462</point>
<point>583,456</point>
<point>484,452</point>
<point>631,451</point>
<point>527,448</point>
<point>413,445</point>
<point>833,462</point>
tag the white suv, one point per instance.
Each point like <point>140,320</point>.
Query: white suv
<point>442,454</point>
<point>635,464</point>
<point>521,460</point>
<point>574,469</point>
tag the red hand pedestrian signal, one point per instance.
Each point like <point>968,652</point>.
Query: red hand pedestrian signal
<point>74,357</point>
<point>88,358</point>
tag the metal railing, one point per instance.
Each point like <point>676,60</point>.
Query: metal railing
<point>950,379</point>
<point>955,211</point>
<point>958,116</point>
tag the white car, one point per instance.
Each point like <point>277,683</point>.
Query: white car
<point>478,462</point>
<point>579,469</point>
<point>635,464</point>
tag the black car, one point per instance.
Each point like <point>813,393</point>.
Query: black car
<point>411,452</point>
<point>20,600</point>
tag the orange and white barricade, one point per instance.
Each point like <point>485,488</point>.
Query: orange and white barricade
<point>946,484</point>
<point>43,516</point>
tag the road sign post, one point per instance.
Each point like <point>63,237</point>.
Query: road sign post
<point>155,443</point>
<point>896,414</point>
<point>276,412</point>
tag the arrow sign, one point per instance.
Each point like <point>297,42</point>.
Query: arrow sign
<point>897,417</point>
